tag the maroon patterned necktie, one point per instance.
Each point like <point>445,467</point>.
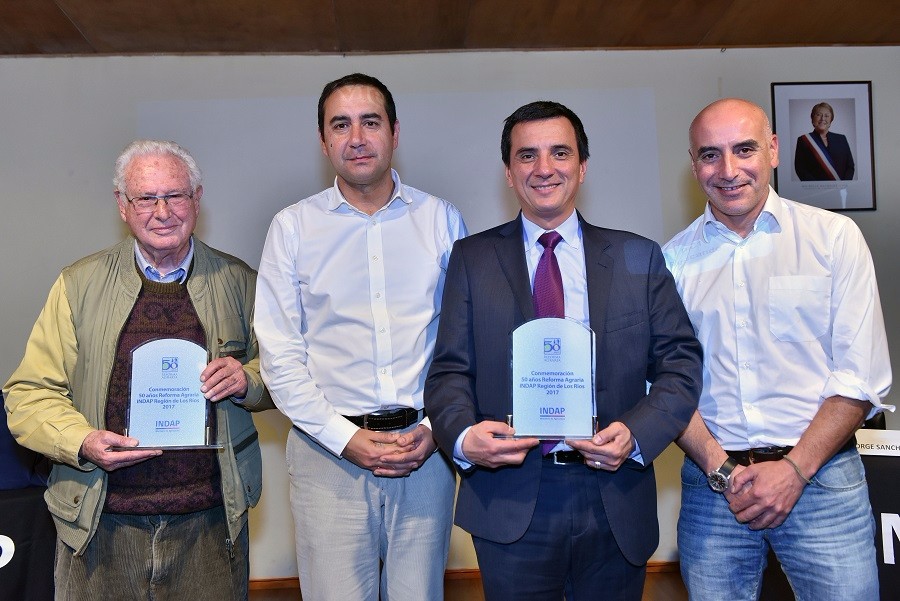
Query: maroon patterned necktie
<point>548,295</point>
<point>548,287</point>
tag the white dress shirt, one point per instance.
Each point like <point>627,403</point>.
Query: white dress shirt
<point>347,306</point>
<point>788,317</point>
<point>570,256</point>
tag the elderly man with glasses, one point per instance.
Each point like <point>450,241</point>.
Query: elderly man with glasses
<point>140,522</point>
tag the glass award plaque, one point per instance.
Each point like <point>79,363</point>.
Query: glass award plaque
<point>553,379</point>
<point>166,409</point>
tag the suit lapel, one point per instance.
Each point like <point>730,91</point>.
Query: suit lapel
<point>599,270</point>
<point>510,250</point>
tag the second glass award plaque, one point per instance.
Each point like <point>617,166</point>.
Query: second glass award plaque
<point>553,379</point>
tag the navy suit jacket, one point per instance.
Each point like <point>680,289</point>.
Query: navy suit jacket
<point>642,334</point>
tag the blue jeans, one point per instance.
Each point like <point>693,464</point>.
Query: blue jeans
<point>826,545</point>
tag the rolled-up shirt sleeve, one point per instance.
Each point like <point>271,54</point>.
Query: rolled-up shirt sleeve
<point>861,367</point>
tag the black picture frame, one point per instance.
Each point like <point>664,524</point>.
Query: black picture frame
<point>839,176</point>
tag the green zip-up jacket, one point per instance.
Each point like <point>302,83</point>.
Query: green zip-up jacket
<point>57,396</point>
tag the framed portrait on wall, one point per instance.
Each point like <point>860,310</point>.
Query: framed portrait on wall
<point>825,144</point>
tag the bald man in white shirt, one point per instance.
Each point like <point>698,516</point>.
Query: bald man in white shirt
<point>784,300</point>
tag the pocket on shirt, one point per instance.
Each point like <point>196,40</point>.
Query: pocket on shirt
<point>799,307</point>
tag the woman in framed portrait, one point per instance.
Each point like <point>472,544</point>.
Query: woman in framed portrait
<point>823,155</point>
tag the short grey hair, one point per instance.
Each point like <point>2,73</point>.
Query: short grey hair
<point>142,148</point>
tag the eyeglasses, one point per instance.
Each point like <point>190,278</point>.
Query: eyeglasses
<point>147,204</point>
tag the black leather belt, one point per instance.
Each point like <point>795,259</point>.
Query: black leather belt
<point>762,454</point>
<point>564,457</point>
<point>387,420</point>
<point>759,455</point>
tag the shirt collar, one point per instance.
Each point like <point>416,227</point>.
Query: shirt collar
<point>568,229</point>
<point>337,200</point>
<point>179,274</point>
<point>768,220</point>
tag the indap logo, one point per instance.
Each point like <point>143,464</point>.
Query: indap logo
<point>7,550</point>
<point>559,412</point>
<point>167,425</point>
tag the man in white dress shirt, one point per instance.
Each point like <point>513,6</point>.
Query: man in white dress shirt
<point>784,300</point>
<point>349,298</point>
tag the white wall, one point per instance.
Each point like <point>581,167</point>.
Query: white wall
<point>250,121</point>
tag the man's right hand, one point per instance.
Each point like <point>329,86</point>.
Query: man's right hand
<point>482,447</point>
<point>763,495</point>
<point>96,449</point>
<point>367,448</point>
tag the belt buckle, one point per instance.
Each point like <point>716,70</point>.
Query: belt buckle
<point>565,458</point>
<point>750,456</point>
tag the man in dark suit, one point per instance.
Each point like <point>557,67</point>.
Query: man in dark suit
<point>579,519</point>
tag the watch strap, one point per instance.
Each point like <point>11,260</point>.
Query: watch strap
<point>726,468</point>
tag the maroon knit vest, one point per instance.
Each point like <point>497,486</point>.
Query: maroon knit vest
<point>177,481</point>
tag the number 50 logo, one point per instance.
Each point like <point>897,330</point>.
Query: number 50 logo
<point>170,363</point>
<point>551,346</point>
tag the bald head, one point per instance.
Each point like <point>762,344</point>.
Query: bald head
<point>733,152</point>
<point>730,109</point>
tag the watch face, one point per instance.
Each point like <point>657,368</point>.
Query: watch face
<point>717,482</point>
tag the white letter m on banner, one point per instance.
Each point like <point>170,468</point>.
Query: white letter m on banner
<point>890,528</point>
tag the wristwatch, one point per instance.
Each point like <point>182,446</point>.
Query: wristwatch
<point>718,479</point>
